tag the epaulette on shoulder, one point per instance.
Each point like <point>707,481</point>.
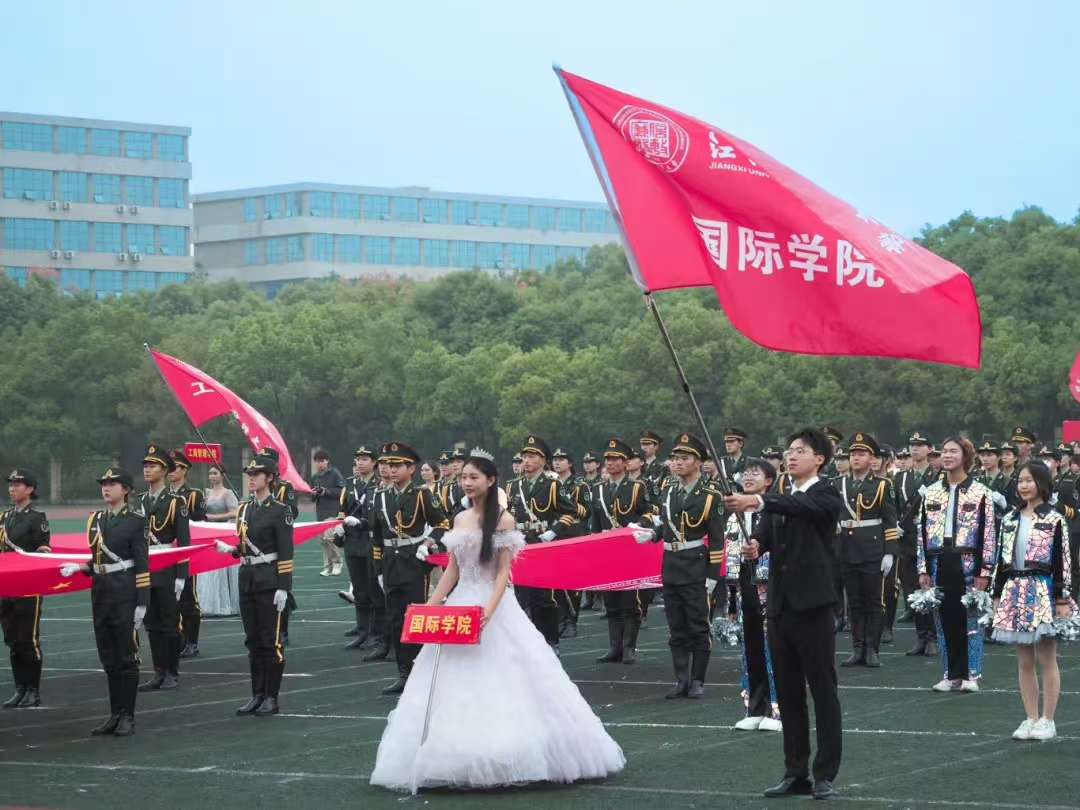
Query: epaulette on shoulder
<point>135,511</point>
<point>712,488</point>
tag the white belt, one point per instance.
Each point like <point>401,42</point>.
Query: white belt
<point>859,524</point>
<point>112,568</point>
<point>258,559</point>
<point>537,526</point>
<point>404,541</point>
<point>683,546</point>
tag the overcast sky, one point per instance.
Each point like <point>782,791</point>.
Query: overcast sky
<point>911,110</point>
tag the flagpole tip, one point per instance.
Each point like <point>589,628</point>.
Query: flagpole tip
<point>556,67</point>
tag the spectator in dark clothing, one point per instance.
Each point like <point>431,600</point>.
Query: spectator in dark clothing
<point>326,486</point>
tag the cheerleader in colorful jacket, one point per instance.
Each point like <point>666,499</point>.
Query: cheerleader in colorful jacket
<point>1032,586</point>
<point>957,550</point>
<point>749,579</point>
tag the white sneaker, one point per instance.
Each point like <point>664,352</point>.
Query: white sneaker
<point>945,685</point>
<point>749,724</point>
<point>969,686</point>
<point>336,571</point>
<point>325,572</point>
<point>1043,730</point>
<point>1023,731</point>
<point>770,724</point>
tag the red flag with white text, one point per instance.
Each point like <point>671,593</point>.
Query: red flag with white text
<point>795,268</point>
<point>203,398</point>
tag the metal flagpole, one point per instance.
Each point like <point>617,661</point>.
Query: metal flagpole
<point>431,693</point>
<point>221,465</point>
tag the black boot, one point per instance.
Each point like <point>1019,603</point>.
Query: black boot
<point>258,688</point>
<point>268,707</point>
<point>31,700</point>
<point>190,651</point>
<point>907,617</point>
<point>380,653</point>
<point>17,698</point>
<point>154,683</point>
<point>171,683</point>
<point>680,658</point>
<point>887,636</point>
<point>874,625</point>
<point>921,646</point>
<point>106,728</point>
<point>590,601</point>
<point>569,629</point>
<point>697,674</point>
<point>870,658</point>
<point>630,634</point>
<point>858,641</point>
<point>397,687</point>
<point>354,632</point>
<point>126,726</point>
<point>615,641</point>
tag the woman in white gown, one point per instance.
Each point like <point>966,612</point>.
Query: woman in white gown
<point>504,712</point>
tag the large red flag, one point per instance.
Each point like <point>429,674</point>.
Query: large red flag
<point>795,268</point>
<point>1074,378</point>
<point>202,398</point>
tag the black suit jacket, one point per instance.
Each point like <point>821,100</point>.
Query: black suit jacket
<point>798,531</point>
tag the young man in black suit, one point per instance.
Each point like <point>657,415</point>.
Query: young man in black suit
<point>798,530</point>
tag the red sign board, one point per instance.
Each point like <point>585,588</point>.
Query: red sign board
<point>203,453</point>
<point>427,624</point>
<point>1070,431</point>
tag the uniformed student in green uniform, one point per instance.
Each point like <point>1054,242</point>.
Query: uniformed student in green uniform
<point>451,495</point>
<point>119,538</point>
<point>284,492</point>
<point>569,602</point>
<point>190,612</point>
<point>654,469</point>
<point>167,515</point>
<point>731,466</point>
<point>355,538</point>
<point>264,528</point>
<point>832,469</point>
<point>23,528</point>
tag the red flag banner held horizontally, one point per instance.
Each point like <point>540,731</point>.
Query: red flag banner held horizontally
<point>795,268</point>
<point>203,398</point>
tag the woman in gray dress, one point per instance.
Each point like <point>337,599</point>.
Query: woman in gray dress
<point>218,590</point>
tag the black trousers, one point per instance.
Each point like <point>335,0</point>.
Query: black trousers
<point>569,603</point>
<point>759,702</point>
<point>623,606</point>
<point>687,611</point>
<point>359,577</point>
<point>377,599</point>
<point>118,650</point>
<point>398,599</point>
<point>21,621</point>
<point>190,612</point>
<point>262,637</point>
<point>892,594</point>
<point>863,583</point>
<point>952,614</point>
<point>542,608</point>
<point>165,628</point>
<point>909,582</point>
<point>803,648</point>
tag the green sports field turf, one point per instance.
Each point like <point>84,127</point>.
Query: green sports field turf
<point>905,746</point>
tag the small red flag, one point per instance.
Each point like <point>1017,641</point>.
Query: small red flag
<point>1074,378</point>
<point>441,624</point>
<point>202,398</point>
<point>795,268</point>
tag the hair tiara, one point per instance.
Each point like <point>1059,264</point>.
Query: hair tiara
<point>479,452</point>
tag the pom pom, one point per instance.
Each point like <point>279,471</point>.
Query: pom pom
<point>925,600</point>
<point>726,631</point>
<point>979,603</point>
<point>1067,628</point>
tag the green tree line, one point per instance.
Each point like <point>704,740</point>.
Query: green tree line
<point>570,353</point>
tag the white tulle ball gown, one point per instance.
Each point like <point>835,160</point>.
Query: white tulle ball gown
<point>504,712</point>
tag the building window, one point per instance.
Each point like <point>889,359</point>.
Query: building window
<point>490,255</point>
<point>348,247</point>
<point>71,139</point>
<point>251,251</point>
<point>249,209</point>
<point>436,252</point>
<point>74,235</point>
<point>171,193</point>
<point>16,274</point>
<point>29,234</point>
<point>567,253</point>
<point>107,237</point>
<point>35,137</point>
<point>543,219</point>
<point>292,204</point>
<point>140,238</point>
<point>518,255</point>
<point>348,206</point>
<point>569,219</point>
<point>106,188</point>
<point>138,145</point>
<point>595,221</point>
<point>517,216</point>
<point>74,186</point>
<point>172,278</point>
<point>407,251</point>
<point>463,254</point>
<point>170,147</point>
<point>406,209</point>
<point>294,248</point>
<point>275,251</point>
<point>105,142</point>
<point>543,256</point>
<point>140,280</point>
<point>321,204</point>
<point>377,249</point>
<point>72,280</point>
<point>376,207</point>
<point>28,184</point>
<point>108,283</point>
<point>462,213</point>
<point>434,211</point>
<point>172,240</point>
<point>139,190</point>
<point>322,247</point>
<point>273,206</point>
<point>611,226</point>
<point>491,214</point>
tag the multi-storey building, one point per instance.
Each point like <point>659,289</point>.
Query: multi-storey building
<point>275,235</point>
<point>99,206</point>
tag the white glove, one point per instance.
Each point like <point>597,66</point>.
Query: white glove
<point>140,614</point>
<point>710,584</point>
<point>178,588</point>
<point>643,535</point>
<point>351,520</point>
<point>656,521</point>
<point>68,569</point>
<point>223,547</point>
<point>379,579</point>
<point>633,525</point>
<point>922,490</point>
<point>886,564</point>
<point>1054,499</point>
<point>339,531</point>
<point>280,598</point>
<point>547,536</point>
<point>422,552</point>
<point>999,500</point>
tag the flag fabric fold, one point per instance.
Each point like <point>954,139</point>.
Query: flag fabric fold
<point>1074,378</point>
<point>203,398</point>
<point>795,268</point>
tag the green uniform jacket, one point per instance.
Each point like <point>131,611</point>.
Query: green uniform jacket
<point>168,521</point>
<point>265,528</point>
<point>397,517</point>
<point>543,506</point>
<point>126,534</point>
<point>27,530</point>
<point>356,498</point>
<point>616,506</point>
<point>195,501</point>
<point>869,500</point>
<point>687,517</point>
